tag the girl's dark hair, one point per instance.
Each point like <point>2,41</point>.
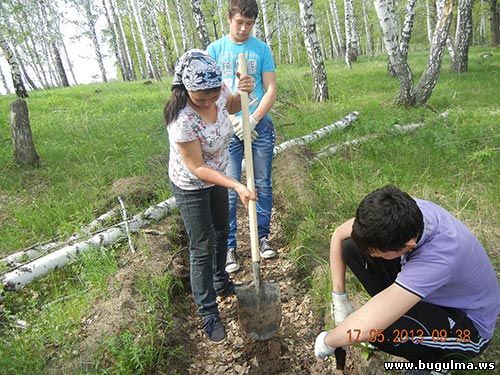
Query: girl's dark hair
<point>247,8</point>
<point>176,102</point>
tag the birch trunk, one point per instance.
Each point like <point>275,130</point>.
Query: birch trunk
<point>289,42</point>
<point>147,54</point>
<point>24,72</point>
<point>336,25</point>
<point>14,68</point>
<point>135,41</point>
<point>114,43</point>
<point>122,40</point>
<point>24,148</point>
<point>4,82</point>
<point>59,65</point>
<point>308,22</point>
<point>201,24</point>
<point>265,21</point>
<point>430,20</point>
<point>407,28</point>
<point>171,28</point>
<point>387,19</point>
<point>222,18</point>
<point>68,60</point>
<point>279,27</point>
<point>182,22</point>
<point>366,21</point>
<point>429,78</point>
<point>257,29</point>
<point>333,43</point>
<point>91,24</point>
<point>463,36</point>
<point>351,52</point>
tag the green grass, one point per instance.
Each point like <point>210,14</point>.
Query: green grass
<point>89,136</point>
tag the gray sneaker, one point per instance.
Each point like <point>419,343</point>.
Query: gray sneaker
<point>214,329</point>
<point>266,251</point>
<point>232,264</point>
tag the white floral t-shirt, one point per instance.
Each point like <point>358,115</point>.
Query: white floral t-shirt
<point>214,139</point>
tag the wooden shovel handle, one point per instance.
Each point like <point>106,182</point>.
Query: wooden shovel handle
<point>247,144</point>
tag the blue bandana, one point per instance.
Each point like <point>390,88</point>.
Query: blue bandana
<point>196,70</point>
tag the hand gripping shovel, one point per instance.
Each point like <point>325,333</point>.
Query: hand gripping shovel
<point>259,305</point>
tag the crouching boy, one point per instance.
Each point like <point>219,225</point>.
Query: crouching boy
<point>434,293</point>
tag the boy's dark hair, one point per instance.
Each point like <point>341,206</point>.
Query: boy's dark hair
<point>177,101</point>
<point>385,220</point>
<point>247,8</point>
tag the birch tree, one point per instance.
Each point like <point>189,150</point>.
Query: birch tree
<point>45,8</point>
<point>201,24</point>
<point>17,81</point>
<point>122,40</point>
<point>90,12</point>
<point>147,53</point>
<point>4,82</point>
<point>308,22</point>
<point>115,45</point>
<point>368,34</point>
<point>336,24</point>
<point>182,23</point>
<point>171,29</point>
<point>351,41</point>
<point>429,7</point>
<point>265,21</point>
<point>463,36</point>
<point>418,95</point>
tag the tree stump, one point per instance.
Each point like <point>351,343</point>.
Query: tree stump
<point>24,148</point>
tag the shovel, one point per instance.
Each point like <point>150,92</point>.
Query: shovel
<point>259,305</point>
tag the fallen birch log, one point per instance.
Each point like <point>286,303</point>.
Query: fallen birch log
<point>38,250</point>
<point>25,274</point>
<point>330,150</point>
<point>67,252</point>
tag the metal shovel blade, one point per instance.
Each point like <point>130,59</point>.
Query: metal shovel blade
<point>259,309</point>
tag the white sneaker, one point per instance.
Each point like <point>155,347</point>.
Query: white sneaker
<point>266,251</point>
<point>231,261</point>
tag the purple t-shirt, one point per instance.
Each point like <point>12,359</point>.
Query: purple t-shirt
<point>450,268</point>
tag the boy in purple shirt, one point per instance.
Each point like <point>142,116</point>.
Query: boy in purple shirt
<point>435,295</point>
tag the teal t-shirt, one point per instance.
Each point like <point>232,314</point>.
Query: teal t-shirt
<point>259,60</point>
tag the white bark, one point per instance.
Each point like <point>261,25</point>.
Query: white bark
<point>430,20</point>
<point>265,21</point>
<point>317,134</point>
<point>289,42</point>
<point>463,36</point>
<point>333,43</point>
<point>336,24</point>
<point>115,45</point>
<point>368,34</point>
<point>482,22</point>
<point>407,28</point>
<point>22,276</point>
<point>308,22</point>
<point>351,40</point>
<point>4,82</point>
<point>91,24</point>
<point>171,28</point>
<point>122,40</point>
<point>222,18</point>
<point>429,78</point>
<point>387,19</point>
<point>147,54</point>
<point>182,22</point>
<point>14,68</point>
<point>201,24</point>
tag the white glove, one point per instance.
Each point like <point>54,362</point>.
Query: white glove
<point>341,307</point>
<point>238,128</point>
<point>322,349</point>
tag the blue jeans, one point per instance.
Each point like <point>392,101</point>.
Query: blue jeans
<point>262,151</point>
<point>205,216</point>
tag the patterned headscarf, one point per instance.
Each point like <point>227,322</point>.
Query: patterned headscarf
<point>196,70</point>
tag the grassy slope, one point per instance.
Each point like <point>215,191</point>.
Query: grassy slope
<point>88,136</point>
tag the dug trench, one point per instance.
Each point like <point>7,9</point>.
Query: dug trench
<point>289,351</point>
